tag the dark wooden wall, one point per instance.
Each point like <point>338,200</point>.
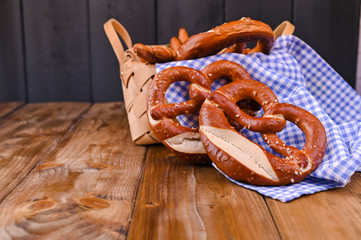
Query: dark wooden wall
<point>56,50</point>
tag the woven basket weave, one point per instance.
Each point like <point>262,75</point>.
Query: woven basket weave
<point>136,76</point>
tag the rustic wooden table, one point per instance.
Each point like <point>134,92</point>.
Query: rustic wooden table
<point>70,171</point>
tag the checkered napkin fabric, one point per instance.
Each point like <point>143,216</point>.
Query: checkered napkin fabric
<point>297,75</point>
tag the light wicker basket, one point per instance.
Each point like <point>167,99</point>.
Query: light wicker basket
<point>136,76</point>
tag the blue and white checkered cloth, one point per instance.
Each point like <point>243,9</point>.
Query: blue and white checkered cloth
<point>297,75</point>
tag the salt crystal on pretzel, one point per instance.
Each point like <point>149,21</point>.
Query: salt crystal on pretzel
<point>226,38</point>
<point>246,161</point>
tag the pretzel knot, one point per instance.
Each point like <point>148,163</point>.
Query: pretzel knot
<point>246,161</point>
<point>183,141</point>
<point>221,116</point>
<point>230,37</point>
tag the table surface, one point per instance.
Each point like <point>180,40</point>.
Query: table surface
<point>70,171</point>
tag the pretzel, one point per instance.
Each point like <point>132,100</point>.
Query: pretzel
<point>235,48</point>
<point>225,35</point>
<point>153,54</point>
<point>229,37</point>
<point>246,161</point>
<point>169,131</point>
<point>161,53</point>
<point>232,71</point>
<point>175,43</point>
<point>183,141</point>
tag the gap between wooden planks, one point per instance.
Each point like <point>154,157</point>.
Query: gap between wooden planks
<point>8,107</point>
<point>333,214</point>
<point>27,135</point>
<point>85,186</point>
<point>181,201</point>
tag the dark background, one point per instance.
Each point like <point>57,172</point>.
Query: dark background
<point>56,50</point>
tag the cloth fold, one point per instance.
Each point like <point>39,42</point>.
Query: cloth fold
<point>297,75</point>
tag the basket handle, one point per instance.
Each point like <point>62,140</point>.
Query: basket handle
<point>112,28</point>
<point>285,28</point>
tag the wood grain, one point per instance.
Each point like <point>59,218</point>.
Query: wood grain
<point>333,214</point>
<point>28,134</point>
<point>181,201</point>
<point>85,188</point>
<point>8,107</point>
<point>70,172</point>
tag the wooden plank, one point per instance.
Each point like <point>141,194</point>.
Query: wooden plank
<point>27,135</point>
<point>181,201</point>
<point>333,214</point>
<point>85,188</point>
<point>138,18</point>
<point>57,50</point>
<point>8,107</point>
<point>331,28</point>
<point>272,12</point>
<point>12,76</point>
<point>194,16</point>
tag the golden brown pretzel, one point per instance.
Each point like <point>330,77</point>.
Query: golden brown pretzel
<point>225,69</point>
<point>229,37</point>
<point>243,160</point>
<point>175,43</point>
<point>312,153</point>
<point>161,53</point>
<point>183,141</point>
<point>235,48</point>
<point>182,35</point>
<point>232,71</point>
<point>225,35</point>
<point>248,89</point>
<point>153,54</point>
